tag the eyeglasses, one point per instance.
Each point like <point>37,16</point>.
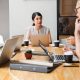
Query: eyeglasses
<point>76,10</point>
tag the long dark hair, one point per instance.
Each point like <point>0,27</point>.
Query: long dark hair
<point>34,15</point>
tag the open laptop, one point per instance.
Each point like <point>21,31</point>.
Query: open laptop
<point>46,51</point>
<point>7,51</point>
<point>19,42</point>
<point>43,38</point>
<point>53,57</point>
<point>56,57</point>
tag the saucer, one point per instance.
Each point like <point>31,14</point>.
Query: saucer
<point>52,45</point>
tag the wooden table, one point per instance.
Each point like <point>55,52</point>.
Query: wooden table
<point>60,73</point>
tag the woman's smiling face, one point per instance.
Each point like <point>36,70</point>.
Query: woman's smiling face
<point>38,21</point>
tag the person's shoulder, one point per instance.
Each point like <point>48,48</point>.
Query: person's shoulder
<point>31,27</point>
<point>45,27</point>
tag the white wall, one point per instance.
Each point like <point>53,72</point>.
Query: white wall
<point>4,18</point>
<point>20,12</point>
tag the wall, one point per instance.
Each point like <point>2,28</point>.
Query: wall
<point>4,18</point>
<point>20,12</point>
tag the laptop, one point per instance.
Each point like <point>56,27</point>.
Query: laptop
<point>56,57</point>
<point>7,51</point>
<point>19,42</point>
<point>46,51</point>
<point>36,38</point>
<point>53,57</point>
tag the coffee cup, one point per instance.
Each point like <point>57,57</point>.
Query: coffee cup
<point>56,43</point>
<point>68,56</point>
<point>26,43</point>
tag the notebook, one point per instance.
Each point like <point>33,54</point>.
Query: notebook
<point>7,51</point>
<point>43,38</point>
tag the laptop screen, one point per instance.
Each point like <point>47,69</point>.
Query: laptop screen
<point>45,50</point>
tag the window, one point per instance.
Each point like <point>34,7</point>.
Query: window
<point>66,17</point>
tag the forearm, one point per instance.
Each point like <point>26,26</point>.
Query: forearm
<point>77,40</point>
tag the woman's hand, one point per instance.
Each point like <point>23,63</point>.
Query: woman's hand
<point>66,48</point>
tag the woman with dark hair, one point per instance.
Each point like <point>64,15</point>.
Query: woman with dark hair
<point>37,28</point>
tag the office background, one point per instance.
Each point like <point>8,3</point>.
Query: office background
<point>15,16</point>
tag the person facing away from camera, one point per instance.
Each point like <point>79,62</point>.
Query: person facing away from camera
<point>37,28</point>
<point>76,38</point>
<point>77,29</point>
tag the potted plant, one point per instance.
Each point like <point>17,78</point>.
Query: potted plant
<point>28,54</point>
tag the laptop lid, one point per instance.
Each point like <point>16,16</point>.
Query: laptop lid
<point>8,50</point>
<point>43,38</point>
<point>45,50</point>
<point>19,41</point>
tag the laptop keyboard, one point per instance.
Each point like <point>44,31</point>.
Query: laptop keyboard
<point>61,58</point>
<point>58,58</point>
